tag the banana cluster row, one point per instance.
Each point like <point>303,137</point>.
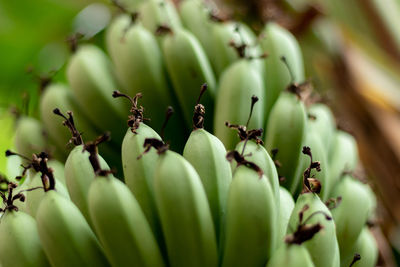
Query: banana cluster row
<point>238,197</point>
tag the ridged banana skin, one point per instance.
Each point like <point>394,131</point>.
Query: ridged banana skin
<point>343,155</point>
<point>285,131</point>
<point>29,136</point>
<point>367,247</point>
<point>324,123</point>
<point>66,236</point>
<point>277,42</point>
<point>352,213</point>
<point>20,244</point>
<point>184,212</point>
<point>189,68</point>
<point>259,156</point>
<point>35,197</point>
<point>323,245</point>
<point>154,13</point>
<point>139,173</point>
<point>236,87</point>
<point>79,175</point>
<point>136,54</point>
<point>195,16</point>
<point>251,225</point>
<point>121,225</point>
<point>291,256</point>
<point>285,210</point>
<point>90,76</point>
<point>207,154</point>
<point>320,154</point>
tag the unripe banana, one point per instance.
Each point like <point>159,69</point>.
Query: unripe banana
<point>258,155</point>
<point>155,13</point>
<point>184,213</point>
<point>66,236</point>
<point>343,155</point>
<point>130,5</point>
<point>35,197</point>
<point>286,207</point>
<point>322,121</point>
<point>196,17</point>
<point>367,248</point>
<point>277,42</point>
<point>323,245</point>
<point>250,227</point>
<point>29,137</point>
<point>121,225</point>
<point>285,133</point>
<point>351,214</point>
<point>291,256</point>
<point>20,244</point>
<point>188,67</point>
<point>237,85</point>
<point>139,65</point>
<point>90,77</point>
<point>79,175</point>
<point>232,41</point>
<point>206,153</point>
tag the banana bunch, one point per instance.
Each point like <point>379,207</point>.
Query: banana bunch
<point>261,179</point>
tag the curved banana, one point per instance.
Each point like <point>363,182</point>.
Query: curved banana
<point>322,246</point>
<point>66,236</point>
<point>206,153</point>
<point>29,137</point>
<point>291,256</point>
<point>322,120</point>
<point>184,212</point>
<point>121,224</point>
<point>343,155</point>
<point>20,244</point>
<point>285,210</point>
<point>251,227</point>
<point>79,175</point>
<point>367,248</point>
<point>285,133</point>
<point>237,85</point>
<point>278,42</point>
<point>351,214</point>
<point>155,13</point>
<point>89,74</point>
<point>188,68</point>
<point>258,155</point>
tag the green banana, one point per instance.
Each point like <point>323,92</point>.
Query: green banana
<point>238,84</point>
<point>119,221</point>
<point>351,214</point>
<point>156,13</point>
<point>90,77</point>
<point>135,53</point>
<point>322,120</point>
<point>258,155</point>
<point>278,42</point>
<point>291,256</point>
<point>286,129</point>
<point>65,235</point>
<point>285,210</point>
<point>367,248</point>
<point>35,197</point>
<point>29,137</point>
<point>343,155</point>
<point>206,153</point>
<point>188,68</point>
<point>323,245</point>
<point>20,244</point>
<point>183,209</point>
<point>250,227</point>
